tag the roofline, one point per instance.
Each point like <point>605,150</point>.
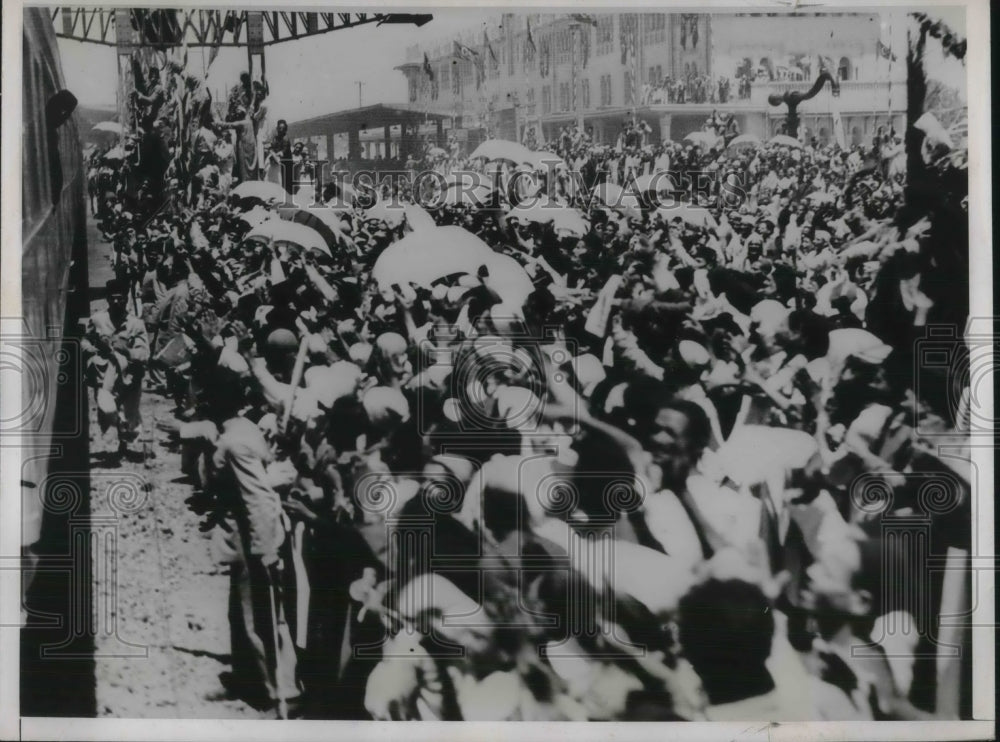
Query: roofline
<point>363,109</point>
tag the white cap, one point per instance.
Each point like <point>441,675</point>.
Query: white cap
<point>589,372</point>
<point>693,354</point>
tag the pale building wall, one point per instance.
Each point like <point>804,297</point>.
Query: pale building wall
<point>874,91</point>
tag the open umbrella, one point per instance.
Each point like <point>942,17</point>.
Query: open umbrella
<point>257,215</point>
<point>508,279</point>
<point>427,255</point>
<point>702,138</point>
<point>260,189</point>
<point>115,154</point>
<point>390,213</point>
<point>502,149</point>
<point>783,140</point>
<point>436,152</point>
<point>323,221</point>
<point>280,230</point>
<point>476,196</point>
<point>110,127</point>
<point>744,140</point>
<point>418,218</point>
<point>615,197</point>
<point>305,195</point>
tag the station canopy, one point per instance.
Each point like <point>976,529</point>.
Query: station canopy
<point>358,119</point>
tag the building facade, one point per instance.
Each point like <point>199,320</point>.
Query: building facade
<point>546,71</point>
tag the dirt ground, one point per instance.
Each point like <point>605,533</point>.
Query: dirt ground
<point>165,642</point>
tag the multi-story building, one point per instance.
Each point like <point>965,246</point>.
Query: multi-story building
<point>545,71</point>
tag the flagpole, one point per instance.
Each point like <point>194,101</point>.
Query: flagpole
<point>635,64</point>
<point>552,68</point>
<point>574,28</point>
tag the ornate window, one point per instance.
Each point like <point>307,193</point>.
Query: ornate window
<point>605,90</point>
<point>845,69</point>
<point>564,46</point>
<point>605,34</point>
<point>654,28</point>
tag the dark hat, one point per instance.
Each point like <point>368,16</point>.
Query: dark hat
<point>115,286</point>
<point>722,321</point>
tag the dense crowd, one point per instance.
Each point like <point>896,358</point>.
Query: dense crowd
<point>694,88</point>
<point>589,454</point>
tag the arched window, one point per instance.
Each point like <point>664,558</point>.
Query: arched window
<point>824,136</point>
<point>845,70</point>
<point>855,136</point>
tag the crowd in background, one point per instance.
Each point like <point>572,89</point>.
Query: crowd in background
<point>693,88</point>
<point>646,430</point>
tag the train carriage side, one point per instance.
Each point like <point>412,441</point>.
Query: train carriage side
<point>53,260</point>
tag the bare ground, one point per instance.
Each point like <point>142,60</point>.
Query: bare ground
<point>165,642</point>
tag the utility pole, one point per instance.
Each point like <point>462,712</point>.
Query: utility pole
<point>360,85</point>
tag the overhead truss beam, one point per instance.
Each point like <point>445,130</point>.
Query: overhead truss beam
<point>213,28</point>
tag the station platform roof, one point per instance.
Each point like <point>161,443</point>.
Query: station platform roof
<point>357,119</point>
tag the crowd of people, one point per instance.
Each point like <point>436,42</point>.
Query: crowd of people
<point>694,88</point>
<point>621,451</point>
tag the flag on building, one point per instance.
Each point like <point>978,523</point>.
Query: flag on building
<point>884,51</point>
<point>584,18</point>
<point>623,37</point>
<point>469,54</point>
<point>529,44</point>
<point>489,50</point>
<point>464,52</point>
<point>628,38</point>
<point>428,70</point>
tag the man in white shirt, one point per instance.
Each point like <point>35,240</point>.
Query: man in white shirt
<point>727,630</point>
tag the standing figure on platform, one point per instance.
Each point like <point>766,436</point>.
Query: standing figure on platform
<point>118,349</point>
<point>279,150</point>
<point>254,531</point>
